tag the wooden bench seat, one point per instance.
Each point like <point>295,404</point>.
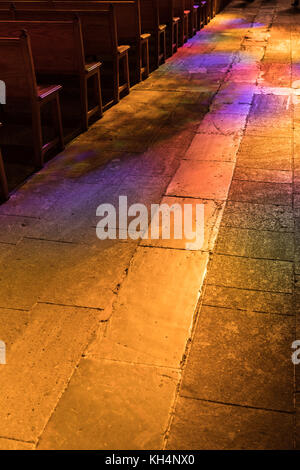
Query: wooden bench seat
<point>99,33</point>
<point>24,95</point>
<point>57,49</point>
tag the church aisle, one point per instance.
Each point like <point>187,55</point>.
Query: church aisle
<point>145,344</point>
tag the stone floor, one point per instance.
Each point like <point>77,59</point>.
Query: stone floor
<point>130,344</point>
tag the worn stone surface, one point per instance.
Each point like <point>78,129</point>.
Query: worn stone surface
<point>202,235</point>
<point>267,176</point>
<point>256,244</point>
<point>13,323</point>
<point>112,405</point>
<point>14,228</point>
<point>63,273</point>
<point>201,179</point>
<point>247,273</point>
<point>223,124</point>
<point>261,192</point>
<point>247,316</point>
<point>40,362</point>
<point>202,425</point>
<point>250,300</point>
<point>246,215</point>
<point>5,249</point>
<point>265,153</point>
<point>147,318</point>
<point>105,375</point>
<point>261,377</point>
<point>220,148</point>
<point>11,444</point>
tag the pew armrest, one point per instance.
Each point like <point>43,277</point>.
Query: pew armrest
<point>44,91</point>
<point>91,66</point>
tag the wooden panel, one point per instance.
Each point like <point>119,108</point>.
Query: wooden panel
<point>98,27</point>
<point>56,46</point>
<point>17,68</point>
<point>166,11</point>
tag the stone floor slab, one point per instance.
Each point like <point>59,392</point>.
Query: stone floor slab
<point>187,120</point>
<point>265,153</point>
<point>63,273</point>
<point>251,216</point>
<point>261,193</point>
<point>12,325</point>
<point>254,274</point>
<point>147,318</point>
<point>267,176</point>
<point>11,444</point>
<point>5,249</point>
<point>213,426</point>
<point>14,228</point>
<point>39,365</point>
<point>249,300</point>
<point>201,179</point>
<point>250,352</point>
<point>220,148</point>
<point>112,405</point>
<point>222,124</point>
<point>206,228</point>
<point>256,244</point>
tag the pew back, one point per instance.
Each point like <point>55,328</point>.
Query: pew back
<point>16,67</point>
<point>149,15</point>
<point>127,13</point>
<point>57,46</point>
<point>99,29</point>
<point>166,11</point>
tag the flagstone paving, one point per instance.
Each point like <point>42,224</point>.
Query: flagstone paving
<point>145,344</point>
<point>238,387</point>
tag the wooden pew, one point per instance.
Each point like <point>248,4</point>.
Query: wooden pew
<point>57,49</point>
<point>193,16</point>
<point>150,22</point>
<point>212,8</point>
<point>3,181</point>
<point>128,26</point>
<point>99,33</point>
<point>204,12</point>
<point>24,4</point>
<point>23,93</point>
<point>6,15</point>
<point>183,14</point>
<point>5,5</point>
<point>167,16</point>
<point>129,30</point>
